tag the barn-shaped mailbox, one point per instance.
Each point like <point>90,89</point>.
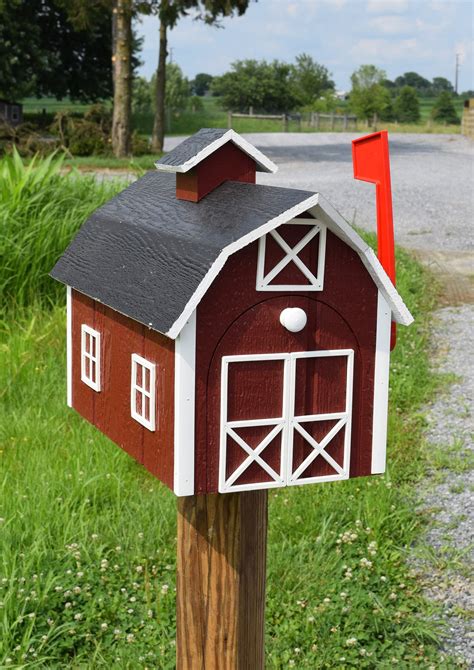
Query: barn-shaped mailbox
<point>229,336</point>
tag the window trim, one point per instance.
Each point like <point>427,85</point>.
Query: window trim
<point>93,335</point>
<point>316,279</point>
<point>149,423</point>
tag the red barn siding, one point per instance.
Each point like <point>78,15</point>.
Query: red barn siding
<point>109,409</point>
<point>234,318</point>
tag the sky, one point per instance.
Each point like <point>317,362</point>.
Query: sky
<point>396,35</point>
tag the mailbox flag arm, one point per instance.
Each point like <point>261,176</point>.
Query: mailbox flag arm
<point>370,158</point>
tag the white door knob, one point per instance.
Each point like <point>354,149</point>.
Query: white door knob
<point>293,319</point>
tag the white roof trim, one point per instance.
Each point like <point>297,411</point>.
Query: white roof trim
<point>230,136</point>
<point>338,225</point>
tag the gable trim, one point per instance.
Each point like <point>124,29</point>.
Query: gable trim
<point>334,221</point>
<point>264,163</point>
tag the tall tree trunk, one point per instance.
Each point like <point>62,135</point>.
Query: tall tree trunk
<point>158,136</point>
<point>122,76</point>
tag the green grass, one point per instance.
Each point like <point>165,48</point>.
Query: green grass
<point>213,116</point>
<point>87,537</point>
<point>39,211</point>
<point>137,164</point>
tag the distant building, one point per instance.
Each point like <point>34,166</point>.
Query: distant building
<point>11,112</point>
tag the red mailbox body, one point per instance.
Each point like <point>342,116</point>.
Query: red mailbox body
<point>229,336</point>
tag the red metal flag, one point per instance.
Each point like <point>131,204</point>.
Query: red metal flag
<point>370,157</point>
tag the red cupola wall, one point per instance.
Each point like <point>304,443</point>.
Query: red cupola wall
<point>228,163</point>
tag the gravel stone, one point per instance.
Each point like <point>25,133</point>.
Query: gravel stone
<point>450,504</point>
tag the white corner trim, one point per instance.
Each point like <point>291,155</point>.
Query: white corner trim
<point>184,408</point>
<point>400,311</point>
<point>69,345</point>
<point>381,381</point>
<point>230,136</point>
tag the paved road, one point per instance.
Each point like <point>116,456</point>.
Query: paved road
<point>432,180</point>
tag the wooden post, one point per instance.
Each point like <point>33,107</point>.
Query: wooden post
<point>220,599</point>
<point>345,122</point>
<point>317,121</point>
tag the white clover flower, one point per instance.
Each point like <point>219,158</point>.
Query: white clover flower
<point>94,536</point>
<point>383,578</point>
<point>311,619</point>
<point>133,599</point>
<point>351,642</point>
<point>130,610</point>
<point>164,589</point>
<point>68,605</point>
<point>365,563</point>
<point>104,626</point>
<point>139,568</point>
<point>130,637</point>
<point>78,616</point>
<point>392,596</point>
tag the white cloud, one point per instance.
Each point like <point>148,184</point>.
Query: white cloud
<point>391,25</point>
<point>382,50</point>
<point>382,6</point>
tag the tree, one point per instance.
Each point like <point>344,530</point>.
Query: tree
<point>122,76</point>
<point>45,50</point>
<point>444,110</point>
<point>169,12</point>
<point>266,87</point>
<point>366,76</point>
<point>177,88</point>
<point>416,81</point>
<point>309,79</point>
<point>201,83</point>
<point>142,95</point>
<point>407,106</point>
<point>441,84</point>
<point>368,95</point>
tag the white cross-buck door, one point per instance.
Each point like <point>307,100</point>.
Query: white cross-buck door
<point>285,419</point>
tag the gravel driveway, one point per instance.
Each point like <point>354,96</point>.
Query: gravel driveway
<point>433,198</point>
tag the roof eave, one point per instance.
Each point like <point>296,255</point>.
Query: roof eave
<point>264,164</point>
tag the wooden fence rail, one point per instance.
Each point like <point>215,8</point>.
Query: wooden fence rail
<point>309,120</point>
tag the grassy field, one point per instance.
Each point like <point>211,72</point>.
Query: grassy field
<point>212,116</point>
<point>87,537</point>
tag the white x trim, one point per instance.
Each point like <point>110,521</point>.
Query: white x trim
<point>291,255</point>
<point>285,426</point>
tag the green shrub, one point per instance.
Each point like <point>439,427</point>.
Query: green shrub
<point>444,110</point>
<point>407,106</point>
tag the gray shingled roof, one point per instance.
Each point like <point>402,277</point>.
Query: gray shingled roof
<point>145,253</point>
<point>194,149</point>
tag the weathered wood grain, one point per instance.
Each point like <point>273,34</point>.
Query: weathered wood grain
<point>221,581</point>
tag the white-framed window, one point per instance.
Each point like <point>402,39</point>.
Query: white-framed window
<point>271,267</point>
<point>142,391</point>
<point>90,357</point>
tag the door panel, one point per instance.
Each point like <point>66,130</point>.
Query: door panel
<point>285,419</point>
